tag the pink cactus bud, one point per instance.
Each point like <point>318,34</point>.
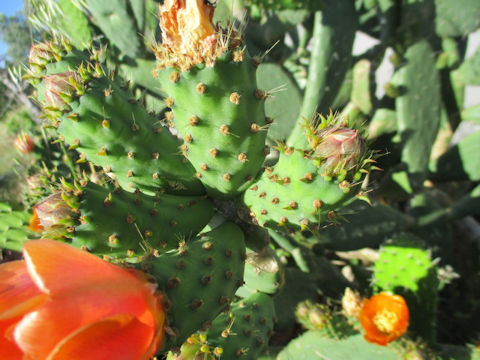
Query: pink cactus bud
<point>24,143</point>
<point>59,88</point>
<point>338,149</point>
<point>52,210</point>
<point>41,54</point>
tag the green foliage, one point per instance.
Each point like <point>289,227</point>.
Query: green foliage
<point>312,345</point>
<point>405,268</point>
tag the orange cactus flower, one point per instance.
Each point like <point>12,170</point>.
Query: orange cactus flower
<point>63,303</point>
<point>24,143</point>
<point>384,317</point>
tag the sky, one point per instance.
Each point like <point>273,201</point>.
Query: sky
<point>9,7</point>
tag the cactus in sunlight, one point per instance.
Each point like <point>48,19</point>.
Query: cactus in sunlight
<point>232,180</point>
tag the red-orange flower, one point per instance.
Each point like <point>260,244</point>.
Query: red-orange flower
<point>24,143</point>
<point>384,317</point>
<point>61,303</point>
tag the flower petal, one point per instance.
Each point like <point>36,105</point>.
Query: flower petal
<point>57,267</point>
<point>8,349</point>
<point>40,331</point>
<point>119,337</point>
<point>18,293</point>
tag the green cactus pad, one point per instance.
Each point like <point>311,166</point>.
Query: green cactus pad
<point>294,195</point>
<point>109,128</point>
<point>312,345</point>
<point>361,94</point>
<point>333,35</point>
<point>113,19</point>
<point>244,332</point>
<point>118,224</point>
<point>418,108</point>
<point>127,142</point>
<point>456,17</point>
<point>200,279</point>
<point>219,112</point>
<point>406,269</point>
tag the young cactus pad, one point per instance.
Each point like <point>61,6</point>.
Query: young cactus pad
<point>308,186</point>
<point>405,268</point>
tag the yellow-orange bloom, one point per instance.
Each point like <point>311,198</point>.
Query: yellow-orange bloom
<point>63,303</point>
<point>384,318</point>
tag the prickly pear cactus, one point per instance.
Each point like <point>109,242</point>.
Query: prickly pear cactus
<point>307,186</point>
<point>404,267</point>
<point>120,224</point>
<point>200,278</point>
<point>154,151</point>
<point>107,126</point>
<point>215,104</point>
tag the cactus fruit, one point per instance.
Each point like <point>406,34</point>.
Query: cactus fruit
<point>215,105</point>
<point>200,278</point>
<point>118,224</point>
<point>308,186</point>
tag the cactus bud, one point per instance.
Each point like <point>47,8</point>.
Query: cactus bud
<point>351,303</point>
<point>313,316</point>
<point>337,150</point>
<point>40,55</point>
<point>24,143</point>
<point>59,89</point>
<point>52,211</point>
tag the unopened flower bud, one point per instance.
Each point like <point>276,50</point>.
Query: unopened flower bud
<point>52,211</point>
<point>59,89</point>
<point>24,143</point>
<point>352,303</point>
<point>338,150</point>
<point>40,55</point>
